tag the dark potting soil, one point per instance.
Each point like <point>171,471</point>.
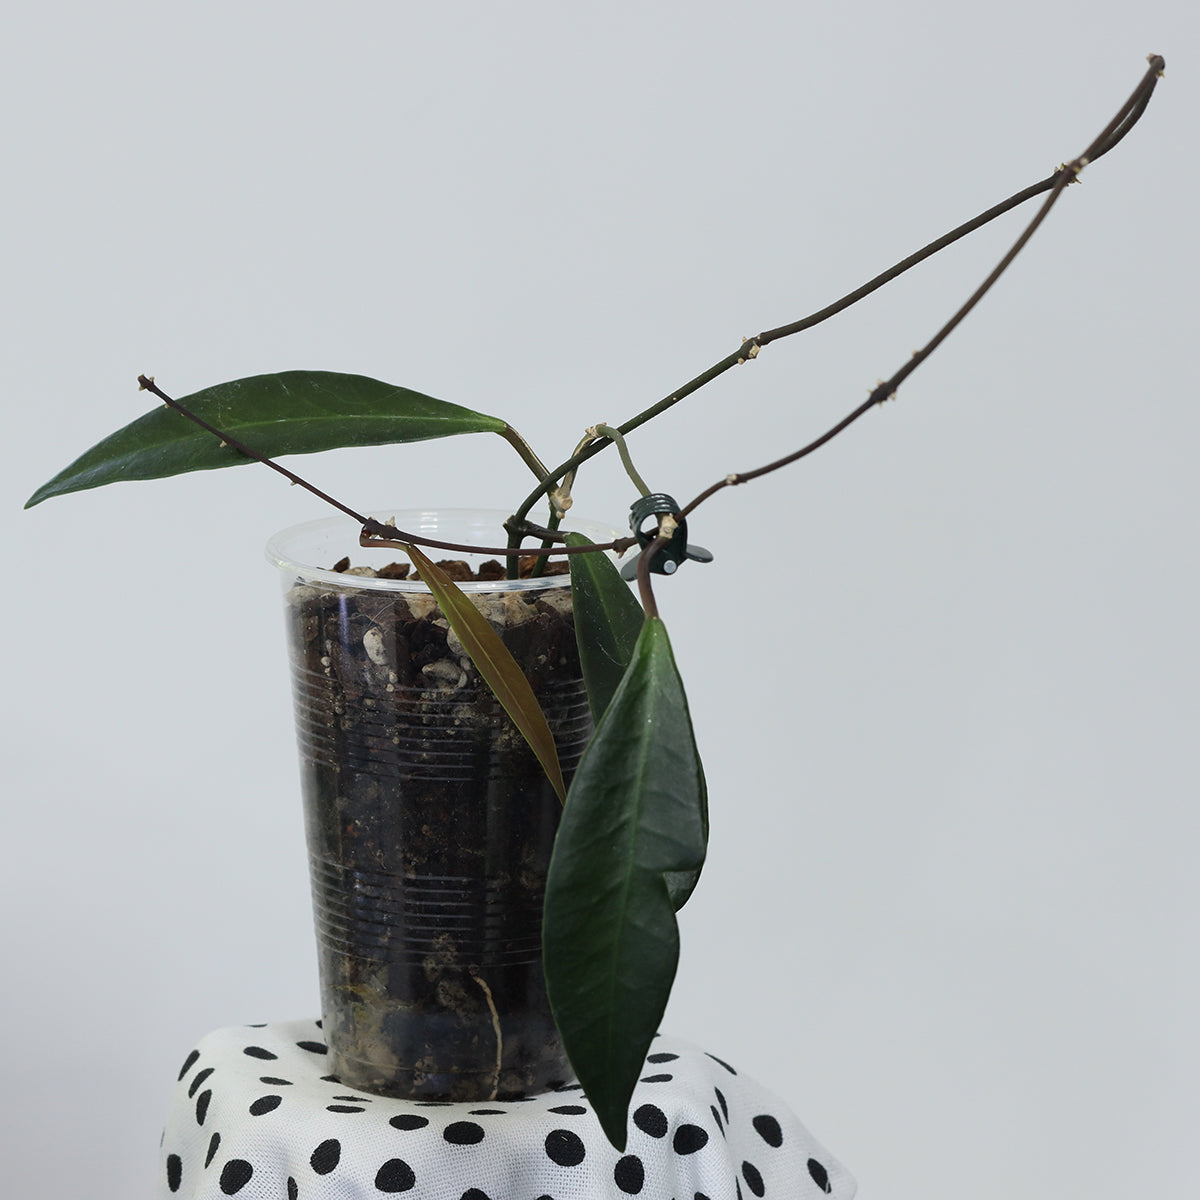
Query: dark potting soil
<point>430,825</point>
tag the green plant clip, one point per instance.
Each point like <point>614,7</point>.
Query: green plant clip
<point>677,550</point>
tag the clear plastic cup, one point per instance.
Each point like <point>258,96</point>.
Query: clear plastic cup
<point>429,820</point>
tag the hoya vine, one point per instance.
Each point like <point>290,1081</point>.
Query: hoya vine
<point>634,829</point>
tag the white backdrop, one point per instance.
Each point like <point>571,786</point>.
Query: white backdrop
<point>943,673</point>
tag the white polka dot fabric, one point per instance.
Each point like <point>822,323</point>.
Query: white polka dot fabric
<point>255,1115</point>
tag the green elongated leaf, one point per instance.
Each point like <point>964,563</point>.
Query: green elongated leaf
<point>634,814</point>
<point>495,663</point>
<point>294,412</point>
<point>608,620</point>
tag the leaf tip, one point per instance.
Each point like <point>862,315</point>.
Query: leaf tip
<point>43,493</point>
<point>616,1132</point>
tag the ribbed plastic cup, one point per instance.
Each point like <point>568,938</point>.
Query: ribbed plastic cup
<point>429,820</point>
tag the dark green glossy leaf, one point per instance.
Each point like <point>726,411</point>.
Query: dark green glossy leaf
<point>495,663</point>
<point>634,815</point>
<point>295,412</point>
<point>608,620</point>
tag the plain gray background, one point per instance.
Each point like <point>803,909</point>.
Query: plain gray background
<point>943,673</point>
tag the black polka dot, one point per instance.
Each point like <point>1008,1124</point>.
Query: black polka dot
<point>202,1103</point>
<point>768,1130</point>
<point>213,1143</point>
<point>486,1112</point>
<point>754,1181</point>
<point>354,1099</point>
<point>408,1121</point>
<point>201,1076</point>
<point>188,1064</point>
<point>688,1139</point>
<point>293,1190</point>
<point>260,1025</point>
<point>651,1119</point>
<point>723,1063</point>
<point>474,1194</point>
<point>662,1058</point>
<point>712,1108</point>
<point>235,1175</point>
<point>265,1104</point>
<point>564,1148</point>
<point>319,1024</point>
<point>820,1176</point>
<point>568,1110</point>
<point>463,1133</point>
<point>258,1052</point>
<point>312,1047</point>
<point>274,1081</point>
<point>721,1102</point>
<point>737,1184</point>
<point>174,1171</point>
<point>326,1156</point>
<point>657,1078</point>
<point>629,1174</point>
<point>344,1108</point>
<point>331,1079</point>
<point>395,1176</point>
<point>699,1196</point>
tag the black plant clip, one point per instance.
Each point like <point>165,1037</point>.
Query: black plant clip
<point>667,560</point>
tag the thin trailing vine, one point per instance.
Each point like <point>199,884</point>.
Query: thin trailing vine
<point>1125,119</point>
<point>886,389</point>
<point>375,533</point>
<point>557,483</point>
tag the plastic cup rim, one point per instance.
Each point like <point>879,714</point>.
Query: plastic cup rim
<point>287,560</point>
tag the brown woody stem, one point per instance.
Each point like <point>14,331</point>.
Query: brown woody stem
<point>373,532</point>
<point>1120,125</point>
<point>1126,117</point>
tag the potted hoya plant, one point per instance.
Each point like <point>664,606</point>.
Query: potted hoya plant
<point>504,802</point>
